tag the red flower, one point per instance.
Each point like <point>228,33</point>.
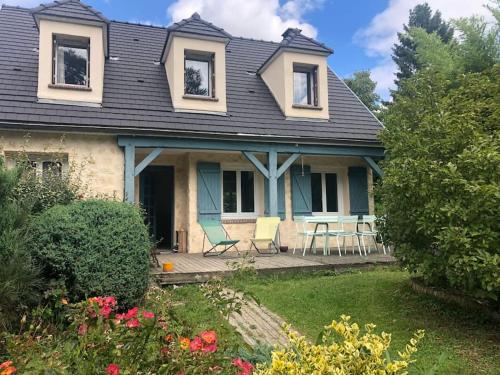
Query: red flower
<point>210,337</point>
<point>184,343</point>
<point>132,313</point>
<point>195,344</point>
<point>132,323</point>
<point>148,314</point>
<point>82,329</point>
<point>210,348</point>
<point>105,311</point>
<point>113,369</point>
<point>247,367</point>
<point>165,350</point>
<point>120,316</point>
<point>110,301</point>
<point>5,364</point>
<point>8,370</point>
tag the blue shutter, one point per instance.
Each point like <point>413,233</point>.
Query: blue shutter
<point>281,196</point>
<point>209,191</point>
<point>358,190</point>
<point>301,190</point>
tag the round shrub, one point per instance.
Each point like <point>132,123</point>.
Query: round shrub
<point>98,247</point>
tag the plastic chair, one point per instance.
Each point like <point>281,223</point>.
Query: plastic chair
<point>217,236</point>
<point>266,231</point>
<point>344,233</point>
<point>368,221</point>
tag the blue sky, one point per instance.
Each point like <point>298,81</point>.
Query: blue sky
<point>361,32</point>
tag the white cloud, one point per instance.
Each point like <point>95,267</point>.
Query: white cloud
<point>378,37</point>
<point>260,19</point>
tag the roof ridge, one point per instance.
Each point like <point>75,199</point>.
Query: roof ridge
<point>195,17</point>
<point>56,3</point>
<point>17,7</point>
<point>255,40</point>
<point>139,24</point>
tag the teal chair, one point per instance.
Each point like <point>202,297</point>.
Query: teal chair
<point>217,236</point>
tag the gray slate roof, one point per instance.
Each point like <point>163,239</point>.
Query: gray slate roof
<point>137,99</point>
<point>70,9</point>
<point>293,38</point>
<point>198,26</point>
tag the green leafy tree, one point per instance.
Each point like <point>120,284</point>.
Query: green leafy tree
<point>364,87</point>
<point>404,52</point>
<point>441,188</point>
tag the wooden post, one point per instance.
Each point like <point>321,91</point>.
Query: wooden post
<point>129,173</point>
<point>273,182</point>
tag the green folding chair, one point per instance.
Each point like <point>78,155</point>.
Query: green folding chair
<point>266,232</point>
<point>217,236</point>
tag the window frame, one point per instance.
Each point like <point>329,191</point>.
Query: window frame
<point>340,195</point>
<point>201,56</point>
<point>312,83</point>
<point>238,214</point>
<point>68,39</point>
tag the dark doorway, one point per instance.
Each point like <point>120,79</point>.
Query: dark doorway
<point>157,199</point>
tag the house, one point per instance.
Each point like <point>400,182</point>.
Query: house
<point>188,120</point>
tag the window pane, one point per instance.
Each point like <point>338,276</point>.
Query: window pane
<point>247,192</point>
<point>71,65</point>
<point>316,192</point>
<point>229,191</point>
<point>331,192</point>
<point>51,168</point>
<point>197,77</point>
<point>301,89</point>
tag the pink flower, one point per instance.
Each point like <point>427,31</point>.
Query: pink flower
<point>132,313</point>
<point>247,367</point>
<point>195,344</point>
<point>110,301</point>
<point>132,323</point>
<point>210,337</point>
<point>148,314</point>
<point>113,369</point>
<point>120,316</point>
<point>105,311</point>
<point>82,329</point>
<point>210,348</point>
<point>5,364</point>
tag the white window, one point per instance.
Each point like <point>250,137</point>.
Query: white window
<point>326,192</point>
<point>305,85</point>
<point>71,60</point>
<point>198,74</point>
<point>238,193</point>
<point>44,165</point>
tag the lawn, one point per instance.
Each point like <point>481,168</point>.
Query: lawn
<point>456,342</point>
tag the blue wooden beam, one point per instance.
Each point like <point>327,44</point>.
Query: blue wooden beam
<point>256,162</point>
<point>129,173</point>
<point>147,160</point>
<point>374,166</point>
<point>250,146</point>
<point>287,164</point>
<point>273,183</point>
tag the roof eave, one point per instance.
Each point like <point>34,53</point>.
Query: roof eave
<point>282,49</point>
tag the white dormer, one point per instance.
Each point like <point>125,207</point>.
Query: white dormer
<point>73,46</point>
<point>195,62</point>
<point>297,76</point>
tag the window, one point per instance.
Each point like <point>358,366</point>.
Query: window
<point>51,169</point>
<point>198,74</point>
<point>305,85</point>
<point>238,192</point>
<point>71,61</point>
<point>325,190</point>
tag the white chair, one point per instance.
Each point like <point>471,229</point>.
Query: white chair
<point>344,232</point>
<point>368,230</point>
<point>303,231</point>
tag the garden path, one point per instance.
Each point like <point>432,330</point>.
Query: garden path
<point>258,325</point>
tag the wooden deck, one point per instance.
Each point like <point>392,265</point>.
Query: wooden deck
<point>194,268</point>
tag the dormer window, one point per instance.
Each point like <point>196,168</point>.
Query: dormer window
<point>71,60</point>
<point>305,85</point>
<point>199,78</point>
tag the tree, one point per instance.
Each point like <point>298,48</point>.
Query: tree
<point>364,87</point>
<point>194,82</point>
<point>404,52</point>
<point>441,186</point>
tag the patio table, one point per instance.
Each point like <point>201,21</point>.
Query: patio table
<point>320,220</point>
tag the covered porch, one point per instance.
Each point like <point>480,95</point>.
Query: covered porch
<point>237,181</point>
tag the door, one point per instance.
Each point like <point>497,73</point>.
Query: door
<point>157,199</point>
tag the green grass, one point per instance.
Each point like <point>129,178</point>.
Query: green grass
<point>456,341</point>
<point>198,314</point>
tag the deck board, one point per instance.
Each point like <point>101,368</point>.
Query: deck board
<point>192,268</point>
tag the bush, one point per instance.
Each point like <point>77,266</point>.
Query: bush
<point>20,282</point>
<point>441,189</point>
<point>98,248</point>
<point>352,354</point>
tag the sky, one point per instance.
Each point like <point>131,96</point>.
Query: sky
<point>361,32</point>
